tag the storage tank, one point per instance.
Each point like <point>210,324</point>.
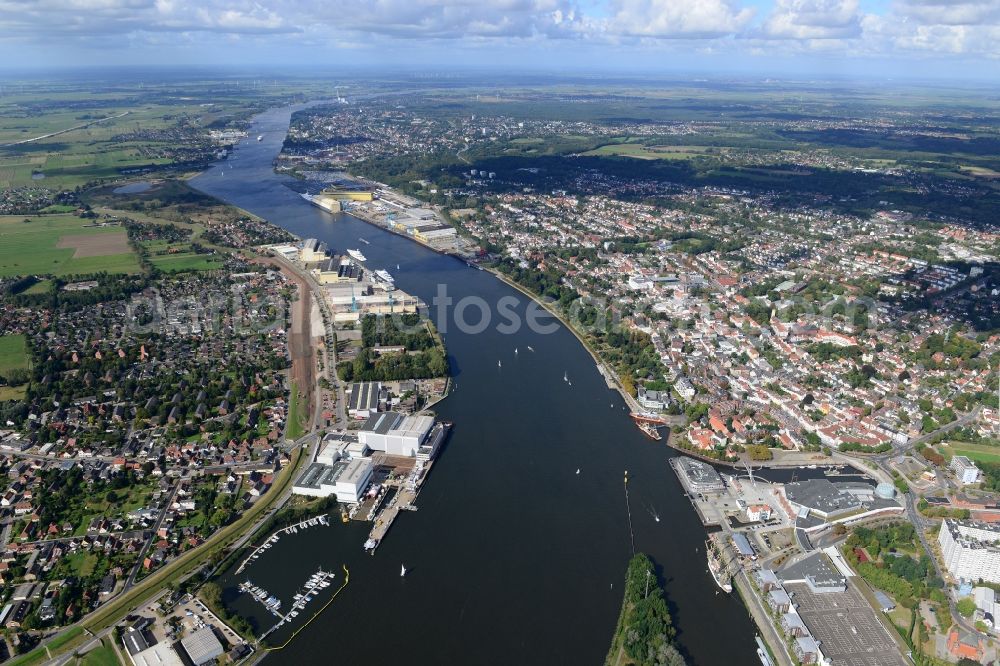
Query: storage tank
<point>885,491</point>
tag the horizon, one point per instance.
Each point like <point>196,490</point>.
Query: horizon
<point>864,39</point>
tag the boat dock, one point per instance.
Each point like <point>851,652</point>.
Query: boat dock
<point>273,539</point>
<point>317,582</point>
<point>404,499</point>
<point>271,602</point>
<point>407,490</point>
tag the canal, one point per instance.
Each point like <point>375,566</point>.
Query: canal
<point>513,556</point>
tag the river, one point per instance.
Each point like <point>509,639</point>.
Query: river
<point>513,557</point>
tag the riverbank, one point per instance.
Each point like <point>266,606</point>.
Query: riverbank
<point>522,428</point>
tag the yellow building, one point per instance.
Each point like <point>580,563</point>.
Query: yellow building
<point>343,194</point>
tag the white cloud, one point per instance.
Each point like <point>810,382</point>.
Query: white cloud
<point>909,28</point>
<point>678,18</point>
<point>951,12</point>
<point>813,20</point>
<point>93,18</point>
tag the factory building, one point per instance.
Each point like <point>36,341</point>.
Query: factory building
<point>347,479</point>
<point>395,433</point>
<point>971,550</point>
<point>364,399</point>
<point>312,251</point>
<point>337,271</point>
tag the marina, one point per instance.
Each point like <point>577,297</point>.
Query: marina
<point>322,520</point>
<point>315,584</point>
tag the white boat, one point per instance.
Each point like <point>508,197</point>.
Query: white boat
<point>402,572</point>
<point>364,241</point>
<point>260,137</point>
<point>515,351</point>
<point>565,377</point>
<point>765,658</point>
<point>530,348</point>
<point>356,255</point>
<point>397,267</point>
<point>577,470</point>
<point>499,364</point>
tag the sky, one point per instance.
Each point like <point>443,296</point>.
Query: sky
<point>947,39</point>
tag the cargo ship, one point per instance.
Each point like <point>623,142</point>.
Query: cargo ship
<point>326,203</point>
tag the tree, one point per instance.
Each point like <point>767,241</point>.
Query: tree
<point>966,607</point>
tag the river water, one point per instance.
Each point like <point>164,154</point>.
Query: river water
<point>513,557</point>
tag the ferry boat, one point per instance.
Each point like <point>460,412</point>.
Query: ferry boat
<point>356,255</point>
<point>715,568</point>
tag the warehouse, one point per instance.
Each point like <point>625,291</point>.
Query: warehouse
<point>364,399</point>
<point>347,479</point>
<point>395,433</point>
<point>203,646</point>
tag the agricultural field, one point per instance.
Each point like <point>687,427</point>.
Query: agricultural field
<point>62,245</point>
<point>643,152</point>
<point>13,353</point>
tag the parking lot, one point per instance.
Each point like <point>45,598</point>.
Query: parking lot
<point>847,627</point>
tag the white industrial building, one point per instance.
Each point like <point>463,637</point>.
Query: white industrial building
<point>394,433</point>
<point>347,479</point>
<point>203,647</point>
<point>965,470</point>
<point>971,550</point>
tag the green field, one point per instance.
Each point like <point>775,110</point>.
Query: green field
<point>13,353</point>
<point>13,392</point>
<point>186,261</point>
<point>976,452</point>
<point>642,152</point>
<point>101,656</point>
<point>31,248</point>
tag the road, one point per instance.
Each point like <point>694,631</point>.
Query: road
<point>911,499</point>
<point>64,131</point>
<point>130,581</point>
